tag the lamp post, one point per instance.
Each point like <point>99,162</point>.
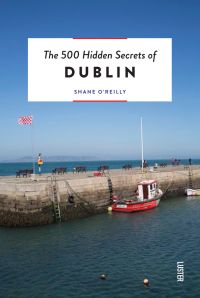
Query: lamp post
<point>40,163</point>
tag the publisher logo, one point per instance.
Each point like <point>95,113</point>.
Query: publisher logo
<point>180,271</point>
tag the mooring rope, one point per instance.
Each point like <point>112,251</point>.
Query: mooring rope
<point>167,188</point>
<point>72,192</point>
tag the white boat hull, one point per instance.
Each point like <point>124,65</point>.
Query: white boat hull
<point>193,192</point>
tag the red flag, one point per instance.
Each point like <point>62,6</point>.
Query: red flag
<point>25,120</point>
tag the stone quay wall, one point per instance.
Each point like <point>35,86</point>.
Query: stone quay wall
<point>26,202</point>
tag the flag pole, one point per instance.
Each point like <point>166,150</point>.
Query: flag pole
<point>33,148</point>
<point>142,145</point>
<point>28,120</point>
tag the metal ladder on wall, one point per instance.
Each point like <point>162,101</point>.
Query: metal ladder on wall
<point>190,177</point>
<point>55,198</point>
<point>110,186</point>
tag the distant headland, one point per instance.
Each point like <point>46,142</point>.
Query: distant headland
<point>53,158</point>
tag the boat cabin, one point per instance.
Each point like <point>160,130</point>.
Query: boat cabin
<point>147,190</point>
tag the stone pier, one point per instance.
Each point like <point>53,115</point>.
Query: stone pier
<point>28,201</point>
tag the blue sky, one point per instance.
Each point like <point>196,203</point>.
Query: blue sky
<point>104,130</point>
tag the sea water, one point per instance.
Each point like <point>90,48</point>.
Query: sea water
<point>67,259</point>
<point>7,169</point>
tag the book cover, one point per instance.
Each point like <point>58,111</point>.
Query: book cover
<point>99,159</point>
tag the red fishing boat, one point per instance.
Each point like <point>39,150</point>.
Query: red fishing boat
<point>148,197</point>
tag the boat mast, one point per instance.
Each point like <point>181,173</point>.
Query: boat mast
<point>142,145</point>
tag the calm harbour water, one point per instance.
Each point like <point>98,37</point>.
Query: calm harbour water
<point>65,260</point>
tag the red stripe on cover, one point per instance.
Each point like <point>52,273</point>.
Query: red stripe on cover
<point>100,38</point>
<point>99,100</point>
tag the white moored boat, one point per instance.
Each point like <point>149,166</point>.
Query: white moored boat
<point>192,192</point>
